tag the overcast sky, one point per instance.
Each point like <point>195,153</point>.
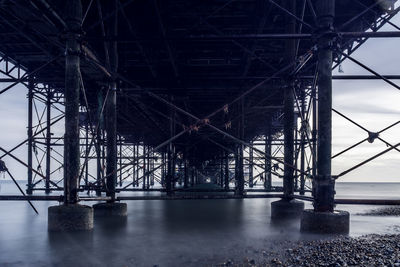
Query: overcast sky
<point>373,104</point>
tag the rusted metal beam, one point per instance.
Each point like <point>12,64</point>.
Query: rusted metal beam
<point>323,182</point>
<point>73,13</point>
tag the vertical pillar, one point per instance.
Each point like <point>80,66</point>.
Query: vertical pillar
<point>296,149</point>
<point>314,130</point>
<point>72,85</point>
<point>268,151</point>
<point>111,140</point>
<point>251,159</point>
<point>226,171</point>
<point>71,216</point>
<point>99,141</point>
<point>303,132</point>
<point>288,124</point>
<point>324,184</point>
<point>173,173</point>
<point>162,168</point>
<point>186,169</point>
<point>192,180</point>
<point>168,183</point>
<point>30,134</point>
<point>152,168</point>
<point>239,153</point>
<point>120,161</point>
<point>221,164</point>
<point>111,113</point>
<point>288,208</point>
<point>133,166</point>
<point>48,140</point>
<point>170,156</point>
<point>87,151</point>
<point>144,167</point>
<point>322,219</point>
<point>148,167</point>
<point>112,208</point>
<point>137,162</point>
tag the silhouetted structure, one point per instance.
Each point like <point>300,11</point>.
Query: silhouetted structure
<point>166,95</point>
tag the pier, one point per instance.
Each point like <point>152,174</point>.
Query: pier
<point>185,100</point>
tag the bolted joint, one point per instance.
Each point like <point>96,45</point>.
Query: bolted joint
<point>372,136</point>
<point>324,180</point>
<point>328,32</point>
<point>3,167</point>
<point>72,34</point>
<point>325,15</point>
<point>73,52</point>
<point>328,41</point>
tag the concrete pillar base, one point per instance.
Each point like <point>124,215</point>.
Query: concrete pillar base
<point>115,209</point>
<point>72,217</point>
<point>286,209</point>
<point>337,222</point>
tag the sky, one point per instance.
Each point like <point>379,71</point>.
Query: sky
<point>373,103</point>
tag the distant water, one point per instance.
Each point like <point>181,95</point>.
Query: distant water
<point>168,233</point>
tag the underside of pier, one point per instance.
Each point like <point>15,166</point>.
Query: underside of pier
<point>207,98</point>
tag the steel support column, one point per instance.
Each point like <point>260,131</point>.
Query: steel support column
<point>48,140</point>
<point>186,170</point>
<point>251,182</point>
<point>162,168</point>
<point>323,186</point>
<point>148,167</point>
<point>72,86</point>
<point>120,161</point>
<point>170,161</point>
<point>144,167</point>
<point>221,163</point>
<point>239,154</point>
<point>288,125</point>
<point>111,113</point>
<point>111,129</point>
<point>135,165</point>
<point>303,132</point>
<point>98,145</point>
<point>268,151</point>
<point>87,151</point>
<point>226,176</point>
<point>31,85</point>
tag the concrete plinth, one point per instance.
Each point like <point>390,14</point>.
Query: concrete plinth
<point>72,217</point>
<point>286,209</point>
<point>337,222</point>
<point>115,209</point>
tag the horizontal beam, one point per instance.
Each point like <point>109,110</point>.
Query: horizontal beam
<point>233,78</point>
<point>186,197</point>
<point>266,36</point>
<point>160,197</point>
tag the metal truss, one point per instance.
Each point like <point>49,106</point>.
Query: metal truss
<point>242,165</point>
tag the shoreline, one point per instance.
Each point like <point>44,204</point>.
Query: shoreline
<point>367,250</point>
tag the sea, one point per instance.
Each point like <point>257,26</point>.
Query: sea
<point>170,233</point>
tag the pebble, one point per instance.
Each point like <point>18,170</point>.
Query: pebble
<point>370,250</point>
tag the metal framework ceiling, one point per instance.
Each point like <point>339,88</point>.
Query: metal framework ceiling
<point>200,55</point>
